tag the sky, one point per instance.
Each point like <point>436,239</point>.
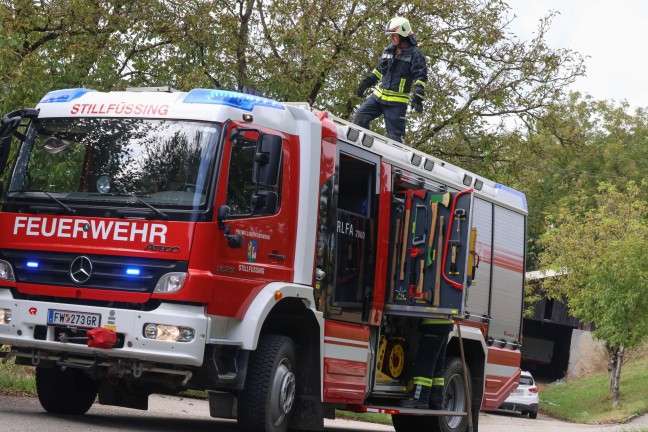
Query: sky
<point>612,34</point>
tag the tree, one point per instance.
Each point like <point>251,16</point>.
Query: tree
<point>602,253</point>
<point>565,153</point>
<point>292,50</point>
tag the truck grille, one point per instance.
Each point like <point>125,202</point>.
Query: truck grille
<point>108,272</point>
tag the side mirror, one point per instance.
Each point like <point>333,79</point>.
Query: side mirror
<point>10,122</point>
<point>223,212</point>
<point>5,147</point>
<point>9,125</point>
<point>233,240</point>
<point>264,202</point>
<point>267,161</point>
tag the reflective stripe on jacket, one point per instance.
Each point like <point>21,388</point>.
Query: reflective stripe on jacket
<point>399,73</point>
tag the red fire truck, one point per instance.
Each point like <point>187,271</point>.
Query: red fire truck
<point>274,256</point>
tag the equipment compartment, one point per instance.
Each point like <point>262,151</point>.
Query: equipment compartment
<point>432,258</point>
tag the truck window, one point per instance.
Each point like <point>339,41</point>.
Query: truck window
<point>104,161</point>
<point>240,184</point>
<point>355,231</point>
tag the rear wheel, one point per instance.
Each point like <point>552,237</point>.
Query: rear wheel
<point>266,402</point>
<point>533,414</point>
<point>455,397</point>
<point>68,391</point>
<point>454,400</point>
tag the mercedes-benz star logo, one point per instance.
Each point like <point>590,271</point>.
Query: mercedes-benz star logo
<point>81,269</point>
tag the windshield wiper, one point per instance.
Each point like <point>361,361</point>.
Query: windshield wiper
<point>59,202</point>
<point>160,213</point>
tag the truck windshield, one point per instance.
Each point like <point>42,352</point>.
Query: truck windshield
<point>142,163</point>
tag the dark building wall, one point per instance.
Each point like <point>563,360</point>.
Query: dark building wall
<point>545,349</point>
<point>554,311</point>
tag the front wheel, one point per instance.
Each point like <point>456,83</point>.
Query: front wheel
<point>266,402</point>
<point>68,391</point>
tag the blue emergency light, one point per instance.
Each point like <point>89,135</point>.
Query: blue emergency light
<point>518,194</point>
<point>235,100</point>
<point>66,95</point>
<point>133,271</point>
<point>32,264</point>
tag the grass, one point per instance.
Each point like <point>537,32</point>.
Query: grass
<point>587,400</point>
<point>366,417</point>
<point>18,380</point>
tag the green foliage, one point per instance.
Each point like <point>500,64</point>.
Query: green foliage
<point>292,50</point>
<point>566,152</point>
<point>599,242</point>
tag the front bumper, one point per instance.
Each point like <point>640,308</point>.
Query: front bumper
<point>28,316</point>
<point>517,406</point>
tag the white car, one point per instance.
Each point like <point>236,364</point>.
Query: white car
<point>524,398</point>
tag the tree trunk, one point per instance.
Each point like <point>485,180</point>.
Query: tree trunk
<point>615,361</point>
<point>243,39</point>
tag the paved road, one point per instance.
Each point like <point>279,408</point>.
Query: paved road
<point>172,414</point>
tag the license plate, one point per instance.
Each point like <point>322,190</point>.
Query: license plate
<point>73,319</point>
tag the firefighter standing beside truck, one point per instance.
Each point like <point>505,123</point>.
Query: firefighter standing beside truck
<point>400,70</point>
<point>429,365</point>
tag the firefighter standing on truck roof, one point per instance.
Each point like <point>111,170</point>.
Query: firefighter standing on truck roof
<point>429,364</point>
<point>401,70</point>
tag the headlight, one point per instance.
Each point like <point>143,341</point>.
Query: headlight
<point>5,316</point>
<point>6,272</point>
<point>170,283</point>
<point>163,332</point>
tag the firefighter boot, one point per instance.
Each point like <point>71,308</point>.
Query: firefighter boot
<point>421,396</point>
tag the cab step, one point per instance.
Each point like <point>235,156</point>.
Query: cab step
<point>384,409</point>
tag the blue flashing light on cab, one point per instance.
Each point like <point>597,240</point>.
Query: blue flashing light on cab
<point>65,95</point>
<point>235,100</point>
<point>131,271</point>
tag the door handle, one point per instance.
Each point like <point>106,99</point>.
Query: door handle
<point>276,256</point>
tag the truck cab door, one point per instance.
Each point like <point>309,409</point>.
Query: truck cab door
<point>255,204</point>
<point>356,224</point>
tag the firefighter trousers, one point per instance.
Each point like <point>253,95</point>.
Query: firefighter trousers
<point>394,114</point>
<point>429,363</point>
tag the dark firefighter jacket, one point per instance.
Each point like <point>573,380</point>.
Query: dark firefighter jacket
<point>398,74</point>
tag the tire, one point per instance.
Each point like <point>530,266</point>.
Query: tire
<point>455,397</point>
<point>68,391</point>
<point>533,415</point>
<point>454,400</point>
<point>266,402</point>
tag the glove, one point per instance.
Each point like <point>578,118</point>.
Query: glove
<point>417,104</point>
<point>367,82</point>
<point>417,99</point>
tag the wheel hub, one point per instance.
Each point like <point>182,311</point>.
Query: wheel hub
<point>283,393</point>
